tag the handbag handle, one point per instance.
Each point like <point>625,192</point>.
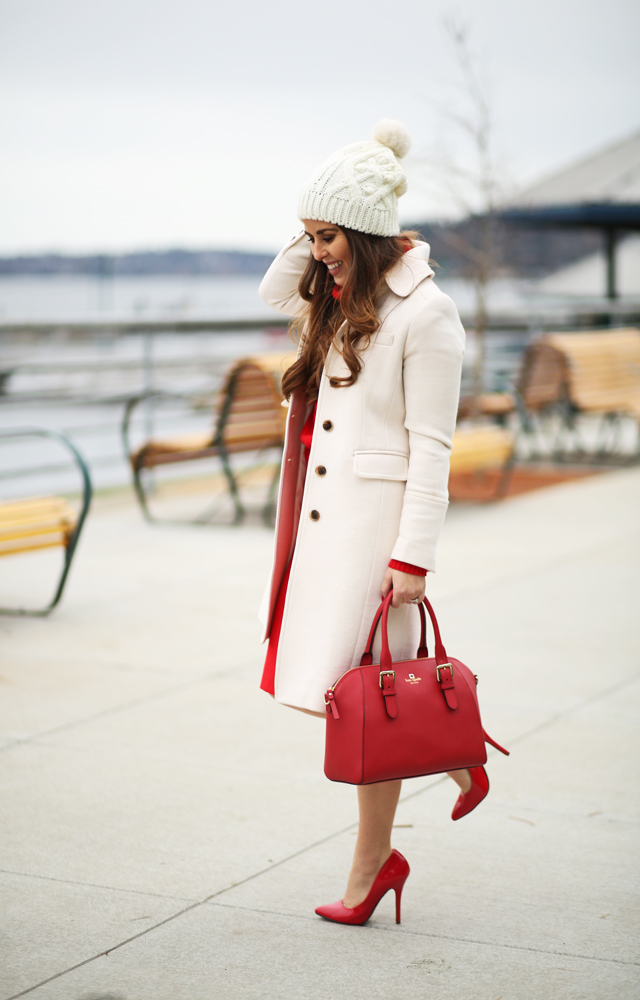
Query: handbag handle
<point>385,655</point>
<point>367,657</point>
<point>444,669</point>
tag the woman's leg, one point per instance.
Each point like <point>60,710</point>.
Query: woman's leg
<point>377,808</point>
<point>462,778</point>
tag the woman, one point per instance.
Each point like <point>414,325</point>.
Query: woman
<point>373,398</point>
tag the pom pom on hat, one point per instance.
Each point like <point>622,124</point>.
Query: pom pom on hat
<point>392,134</point>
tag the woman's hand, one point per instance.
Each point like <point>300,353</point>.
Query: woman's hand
<point>406,586</point>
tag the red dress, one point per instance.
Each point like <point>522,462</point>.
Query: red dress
<point>269,672</point>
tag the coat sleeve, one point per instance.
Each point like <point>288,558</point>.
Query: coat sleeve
<point>279,287</point>
<point>431,375</point>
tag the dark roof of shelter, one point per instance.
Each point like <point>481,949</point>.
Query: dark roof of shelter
<point>610,176</point>
<point>600,191</point>
<point>596,216</point>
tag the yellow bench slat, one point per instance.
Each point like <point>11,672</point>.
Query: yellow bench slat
<point>36,503</point>
<point>32,529</point>
<point>35,523</point>
<point>40,544</point>
<point>480,448</point>
<point>32,516</point>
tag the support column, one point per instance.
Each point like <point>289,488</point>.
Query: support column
<point>611,237</point>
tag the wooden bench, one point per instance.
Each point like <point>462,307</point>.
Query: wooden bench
<point>43,522</point>
<point>480,452</point>
<point>602,370</point>
<point>573,373</point>
<point>249,417</point>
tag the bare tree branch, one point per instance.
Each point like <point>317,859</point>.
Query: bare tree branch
<point>472,182</point>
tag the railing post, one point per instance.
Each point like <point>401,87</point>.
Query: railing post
<point>147,354</point>
<point>611,236</point>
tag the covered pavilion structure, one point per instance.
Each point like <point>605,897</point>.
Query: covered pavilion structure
<point>600,192</point>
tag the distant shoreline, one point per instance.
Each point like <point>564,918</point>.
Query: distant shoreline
<point>158,262</point>
<point>517,251</point>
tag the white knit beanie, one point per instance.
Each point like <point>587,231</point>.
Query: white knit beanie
<point>359,186</point>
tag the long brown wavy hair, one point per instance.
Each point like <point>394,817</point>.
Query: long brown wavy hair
<point>371,258</point>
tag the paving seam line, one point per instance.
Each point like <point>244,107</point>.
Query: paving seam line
<point>146,700</point>
<point>439,937</point>
<point>310,847</point>
<point>94,885</point>
<point>180,913</point>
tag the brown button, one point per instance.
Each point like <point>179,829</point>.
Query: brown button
<point>320,470</point>
<point>333,382</point>
<point>327,425</point>
<point>315,515</point>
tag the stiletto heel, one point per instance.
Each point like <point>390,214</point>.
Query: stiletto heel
<point>398,898</point>
<point>393,875</point>
<point>479,790</point>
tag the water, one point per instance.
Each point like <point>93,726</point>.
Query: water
<point>83,297</point>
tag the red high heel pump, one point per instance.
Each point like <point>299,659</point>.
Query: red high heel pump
<point>469,800</point>
<point>392,875</point>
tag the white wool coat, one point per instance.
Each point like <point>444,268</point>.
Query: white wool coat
<point>385,444</point>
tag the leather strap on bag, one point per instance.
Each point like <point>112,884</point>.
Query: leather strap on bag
<point>444,669</point>
<point>448,688</point>
<point>388,687</point>
<point>367,657</point>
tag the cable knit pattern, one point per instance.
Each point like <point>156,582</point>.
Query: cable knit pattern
<point>359,186</point>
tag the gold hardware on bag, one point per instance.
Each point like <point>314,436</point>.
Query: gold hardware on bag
<point>391,673</point>
<point>440,667</point>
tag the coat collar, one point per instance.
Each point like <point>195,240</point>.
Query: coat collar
<point>411,269</point>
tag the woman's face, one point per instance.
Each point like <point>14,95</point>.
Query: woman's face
<point>330,246</point>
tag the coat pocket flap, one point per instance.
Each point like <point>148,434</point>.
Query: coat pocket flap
<point>384,339</point>
<point>381,464</point>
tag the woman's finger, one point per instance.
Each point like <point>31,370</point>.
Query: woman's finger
<point>386,583</point>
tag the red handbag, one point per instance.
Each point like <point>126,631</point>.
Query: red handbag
<point>403,719</point>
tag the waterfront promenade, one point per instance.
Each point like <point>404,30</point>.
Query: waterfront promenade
<point>166,830</point>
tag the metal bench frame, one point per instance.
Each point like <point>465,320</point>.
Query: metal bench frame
<point>70,547</point>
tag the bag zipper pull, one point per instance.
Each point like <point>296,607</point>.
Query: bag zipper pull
<point>330,702</point>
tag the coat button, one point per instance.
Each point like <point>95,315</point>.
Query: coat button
<point>320,470</point>
<point>315,515</point>
<point>333,382</point>
<point>327,425</point>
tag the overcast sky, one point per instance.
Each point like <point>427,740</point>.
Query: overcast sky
<point>138,124</point>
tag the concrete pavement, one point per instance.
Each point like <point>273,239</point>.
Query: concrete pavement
<point>166,830</point>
